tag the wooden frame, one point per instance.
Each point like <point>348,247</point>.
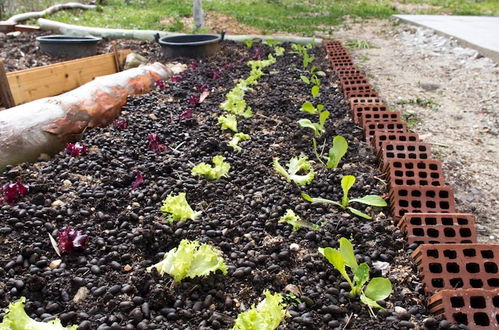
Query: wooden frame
<point>54,79</point>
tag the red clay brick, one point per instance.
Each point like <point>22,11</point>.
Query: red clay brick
<point>359,109</point>
<point>380,137</point>
<point>435,228</point>
<point>353,90</point>
<point>402,150</point>
<point>421,199</point>
<point>362,94</point>
<point>371,127</point>
<point>347,70</point>
<point>415,172</point>
<point>475,308</point>
<point>346,80</point>
<point>463,266</point>
<point>340,64</point>
<point>378,116</point>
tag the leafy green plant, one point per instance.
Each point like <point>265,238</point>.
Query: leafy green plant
<point>248,43</point>
<point>178,209</point>
<point>309,108</point>
<point>228,121</point>
<point>359,44</point>
<point>267,315</point>
<point>235,140</point>
<point>315,91</point>
<point>318,128</point>
<point>296,165</point>
<point>15,318</point>
<point>220,169</point>
<point>235,102</point>
<point>190,259</point>
<point>377,289</point>
<point>337,151</point>
<point>296,222</point>
<point>346,183</point>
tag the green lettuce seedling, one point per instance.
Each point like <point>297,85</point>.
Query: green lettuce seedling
<point>377,289</point>
<point>235,140</point>
<point>228,121</point>
<point>220,169</point>
<point>346,183</point>
<point>248,42</point>
<point>337,151</point>
<point>15,318</point>
<point>318,128</point>
<point>267,315</point>
<point>295,166</point>
<point>178,209</point>
<point>235,102</point>
<point>309,108</point>
<point>190,259</point>
<point>296,222</point>
<point>315,91</point>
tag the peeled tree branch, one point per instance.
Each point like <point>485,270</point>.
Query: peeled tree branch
<point>49,11</point>
<point>46,125</point>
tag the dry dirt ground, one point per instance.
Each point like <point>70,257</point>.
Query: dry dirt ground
<point>451,95</point>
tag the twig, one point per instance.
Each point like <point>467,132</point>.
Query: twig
<point>348,321</point>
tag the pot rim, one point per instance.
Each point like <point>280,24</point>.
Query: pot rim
<point>67,39</point>
<point>216,38</point>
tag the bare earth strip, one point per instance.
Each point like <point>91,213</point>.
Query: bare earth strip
<point>461,119</point>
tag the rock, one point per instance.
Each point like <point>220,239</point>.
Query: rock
<point>429,87</point>
<point>294,247</point>
<point>134,60</point>
<point>14,34</point>
<point>80,295</point>
<point>55,263</point>
<point>400,310</point>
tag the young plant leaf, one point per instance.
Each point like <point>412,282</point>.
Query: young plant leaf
<point>318,200</point>
<point>337,151</point>
<point>295,221</point>
<point>235,140</point>
<point>346,183</point>
<point>308,108</point>
<point>359,213</point>
<point>360,277</point>
<point>267,315</point>
<point>178,208</point>
<point>314,143</point>
<point>305,79</point>
<point>346,250</point>
<point>228,121</point>
<point>373,200</point>
<point>220,169</point>
<point>378,288</point>
<point>306,123</point>
<point>295,166</point>
<point>322,118</point>
<point>336,259</point>
<point>315,91</point>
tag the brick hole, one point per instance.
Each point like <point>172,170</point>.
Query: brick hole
<point>416,221</point>
<point>403,192</point>
<point>403,203</point>
<point>443,194</point>
<point>411,182</point>
<point>421,166</point>
<point>431,204</point>
<point>390,155</point>
<point>495,301</point>
<point>452,267</point>
<point>487,254</point>
<point>490,267</point>
<point>477,302</point>
<point>435,268</point>
<point>449,232</point>
<point>462,221</point>
<point>437,282</point>
<point>433,167</point>
<point>466,241</point>
<point>410,148</point>
<point>423,156</point>
<point>435,183</point>
<point>434,175</point>
<point>416,193</point>
<point>432,232</point>
<point>447,221</point>
<point>476,283</point>
<point>431,242</point>
<point>423,175</point>
<point>456,282</point>
<point>461,318</point>
<point>402,155</point>
<point>409,166</point>
<point>432,253</point>
<point>493,282</point>
<point>465,232</point>
<point>450,254</point>
<point>402,212</point>
<point>413,156</point>
<point>422,148</point>
<point>397,165</point>
<point>418,232</point>
<point>469,252</point>
<point>410,173</point>
<point>457,302</point>
<point>431,221</point>
<point>416,204</point>
<point>481,319</point>
<point>430,194</point>
<point>444,205</point>
<point>473,267</point>
<point>399,173</point>
<point>399,182</point>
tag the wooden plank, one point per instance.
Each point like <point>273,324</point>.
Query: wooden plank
<point>6,27</point>
<point>32,84</point>
<point>26,28</point>
<point>6,98</point>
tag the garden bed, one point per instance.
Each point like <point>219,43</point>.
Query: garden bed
<point>127,232</point>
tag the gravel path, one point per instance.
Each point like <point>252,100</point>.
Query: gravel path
<point>451,95</point>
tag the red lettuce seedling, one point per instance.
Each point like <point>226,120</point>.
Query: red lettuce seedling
<point>154,144</point>
<point>71,240</point>
<point>202,88</point>
<point>11,192</point>
<point>120,124</point>
<point>194,65</point>
<point>215,74</point>
<point>160,84</point>
<point>193,100</point>
<point>76,149</point>
<point>186,115</point>
<point>139,179</point>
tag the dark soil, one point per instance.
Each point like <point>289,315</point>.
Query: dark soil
<point>240,213</point>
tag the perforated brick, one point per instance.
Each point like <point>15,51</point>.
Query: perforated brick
<point>359,109</point>
<point>346,80</point>
<point>340,58</point>
<point>379,116</point>
<point>412,172</point>
<point>371,127</point>
<point>478,309</point>
<point>337,64</point>
<point>402,150</point>
<point>421,199</point>
<point>352,90</point>
<point>347,70</point>
<point>362,94</point>
<point>380,137</point>
<point>366,101</point>
<point>451,266</point>
<point>435,228</point>
<point>352,81</point>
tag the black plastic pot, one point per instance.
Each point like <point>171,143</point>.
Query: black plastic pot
<point>68,46</point>
<point>190,45</point>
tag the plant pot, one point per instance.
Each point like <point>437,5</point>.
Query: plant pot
<point>190,45</point>
<point>68,46</point>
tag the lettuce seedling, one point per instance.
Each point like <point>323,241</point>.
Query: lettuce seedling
<point>296,165</point>
<point>16,318</point>
<point>228,121</point>
<point>160,84</point>
<point>346,183</point>
<point>296,222</point>
<point>185,115</point>
<point>315,91</point>
<point>235,102</point>
<point>76,149</point>
<point>309,108</point>
<point>377,289</point>
<point>235,140</point>
<point>267,315</point>
<point>154,144</point>
<point>193,100</point>
<point>178,209</point>
<point>248,43</point>
<point>220,169</point>
<point>139,179</point>
<point>318,128</point>
<point>190,259</point>
<point>71,240</point>
<point>120,124</point>
<point>337,151</point>
<point>11,192</point>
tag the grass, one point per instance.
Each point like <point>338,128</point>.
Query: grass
<point>299,17</point>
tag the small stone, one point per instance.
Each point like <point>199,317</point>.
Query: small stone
<point>57,203</point>
<point>80,295</point>
<point>152,116</point>
<point>55,263</point>
<point>294,247</point>
<point>400,310</point>
<point>127,268</point>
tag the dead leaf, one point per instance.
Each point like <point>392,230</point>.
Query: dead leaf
<point>203,96</point>
<point>54,245</point>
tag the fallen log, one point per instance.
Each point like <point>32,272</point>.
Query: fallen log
<point>46,125</point>
<point>78,30</point>
<point>50,10</point>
